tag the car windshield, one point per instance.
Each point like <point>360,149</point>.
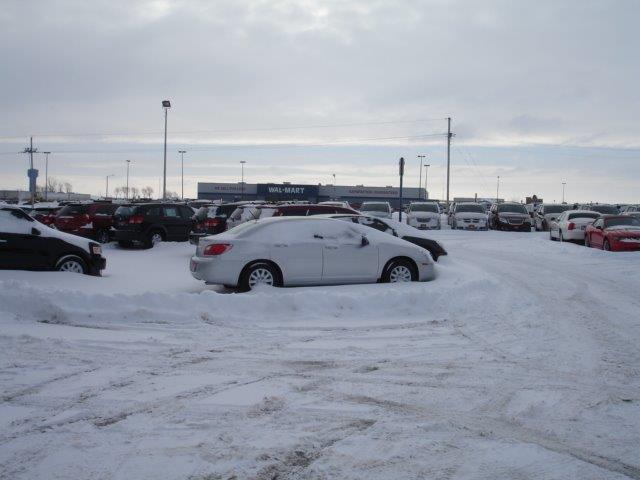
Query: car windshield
<point>511,208</point>
<point>583,215</point>
<point>73,210</point>
<point>555,208</point>
<point>604,209</point>
<point>424,207</point>
<point>621,221</point>
<point>375,207</point>
<point>470,208</point>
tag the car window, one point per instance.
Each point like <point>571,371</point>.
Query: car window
<point>511,208</point>
<point>186,213</point>
<point>375,207</point>
<point>470,208</point>
<point>73,210</point>
<point>583,215</point>
<point>424,207</point>
<point>338,232</point>
<point>293,212</point>
<point>622,221</point>
<point>153,212</point>
<point>15,221</point>
<point>171,212</point>
<point>373,223</point>
<point>597,223</point>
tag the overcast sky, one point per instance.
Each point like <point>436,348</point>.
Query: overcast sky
<point>540,93</point>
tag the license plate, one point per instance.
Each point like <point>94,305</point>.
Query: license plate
<point>423,225</point>
<point>471,227</point>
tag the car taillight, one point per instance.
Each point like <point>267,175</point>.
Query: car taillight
<point>211,222</point>
<point>571,226</point>
<point>216,249</point>
<point>136,219</point>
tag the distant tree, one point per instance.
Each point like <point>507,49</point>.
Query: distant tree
<point>134,192</point>
<point>68,188</point>
<point>147,192</point>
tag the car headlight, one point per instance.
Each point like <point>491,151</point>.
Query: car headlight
<point>96,249</point>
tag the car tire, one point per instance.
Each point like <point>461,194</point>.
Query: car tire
<point>103,236</point>
<point>259,273</point>
<point>606,245</point>
<point>155,237</point>
<point>71,263</point>
<point>400,270</point>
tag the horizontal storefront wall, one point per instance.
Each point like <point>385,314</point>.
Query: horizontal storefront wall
<point>314,193</point>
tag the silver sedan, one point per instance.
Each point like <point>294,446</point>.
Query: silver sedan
<point>292,251</point>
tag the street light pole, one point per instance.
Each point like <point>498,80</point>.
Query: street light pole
<point>498,189</point>
<point>182,152</point>
<point>421,157</point>
<point>334,186</point>
<point>242,162</point>
<point>563,184</point>
<point>128,163</point>
<point>426,170</point>
<point>46,176</point>
<point>166,104</point>
<point>106,194</point>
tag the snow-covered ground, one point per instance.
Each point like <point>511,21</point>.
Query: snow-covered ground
<point>520,360</point>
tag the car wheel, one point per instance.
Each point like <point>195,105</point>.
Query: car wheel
<point>71,263</point>
<point>155,237</point>
<point>259,274</point>
<point>606,246</point>
<point>103,236</point>
<point>400,271</point>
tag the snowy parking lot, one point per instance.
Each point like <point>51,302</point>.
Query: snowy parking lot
<point>520,360</point>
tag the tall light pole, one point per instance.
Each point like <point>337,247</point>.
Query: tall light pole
<point>106,194</point>
<point>334,186</point>
<point>242,162</point>
<point>426,170</point>
<point>166,104</point>
<point>46,176</point>
<point>498,189</point>
<point>182,152</point>
<point>421,157</point>
<point>563,184</point>
<point>128,163</point>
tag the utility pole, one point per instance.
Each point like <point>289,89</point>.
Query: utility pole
<point>401,171</point>
<point>421,157</point>
<point>426,170</point>
<point>242,162</point>
<point>498,189</point>
<point>182,152</point>
<point>128,163</point>
<point>166,104</point>
<point>46,176</point>
<point>32,173</point>
<point>449,135</point>
<point>563,184</point>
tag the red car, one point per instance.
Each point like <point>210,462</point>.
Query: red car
<point>91,220</point>
<point>613,232</point>
<point>46,215</point>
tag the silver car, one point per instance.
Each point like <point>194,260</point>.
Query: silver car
<point>290,251</point>
<point>377,209</point>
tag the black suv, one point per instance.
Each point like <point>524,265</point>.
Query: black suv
<point>211,220</point>
<point>151,223</point>
<point>509,216</point>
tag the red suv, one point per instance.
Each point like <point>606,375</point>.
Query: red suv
<point>91,220</point>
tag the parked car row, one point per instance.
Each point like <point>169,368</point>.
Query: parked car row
<point>607,232</point>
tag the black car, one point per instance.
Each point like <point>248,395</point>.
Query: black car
<point>435,249</point>
<point>509,216</point>
<point>26,244</point>
<point>211,220</point>
<point>151,223</point>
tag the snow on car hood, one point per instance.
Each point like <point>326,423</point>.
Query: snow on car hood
<point>481,216</point>
<point>623,229</point>
<point>49,232</point>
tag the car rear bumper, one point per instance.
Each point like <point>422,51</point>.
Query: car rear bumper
<point>128,236</point>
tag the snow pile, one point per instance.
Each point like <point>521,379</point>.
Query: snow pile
<point>519,361</point>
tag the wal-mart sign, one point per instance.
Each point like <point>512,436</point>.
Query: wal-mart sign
<point>287,192</point>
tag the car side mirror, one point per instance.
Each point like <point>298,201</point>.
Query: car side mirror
<point>365,241</point>
<point>599,227</point>
<point>35,231</point>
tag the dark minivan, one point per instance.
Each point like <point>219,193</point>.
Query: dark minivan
<point>151,223</point>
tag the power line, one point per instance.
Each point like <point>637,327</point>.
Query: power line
<point>232,130</point>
